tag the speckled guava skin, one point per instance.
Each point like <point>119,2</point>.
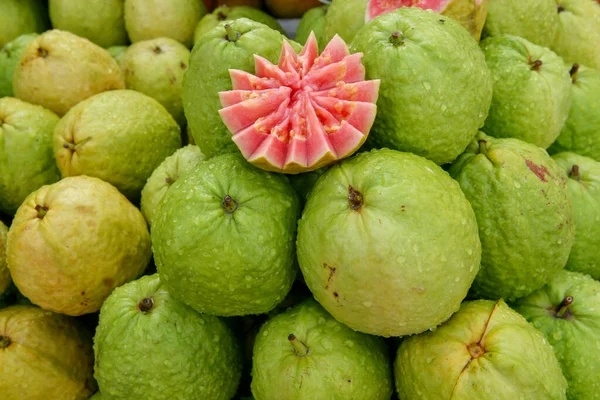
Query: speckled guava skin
<point>584,191</point>
<point>388,243</point>
<point>486,350</point>
<point>435,103</point>
<point>223,237</point>
<point>572,331</point>
<point>530,102</point>
<point>150,346</point>
<point>44,355</point>
<point>10,55</point>
<point>4,272</point>
<point>525,217</point>
<point>332,362</point>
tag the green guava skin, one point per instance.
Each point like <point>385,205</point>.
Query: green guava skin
<point>223,263</point>
<point>169,351</point>
<point>117,52</point>
<point>19,17</point>
<point>10,55</point>
<point>581,132</point>
<point>4,272</point>
<point>529,103</point>
<point>167,173</point>
<point>312,21</point>
<point>434,105</point>
<point>156,67</point>
<point>578,32</point>
<point>584,191</point>
<point>340,363</point>
<point>486,350</point>
<point>573,336</point>
<point>100,21</point>
<point>139,135</point>
<point>524,213</point>
<point>226,13</point>
<point>533,20</point>
<point>379,269</point>
<point>211,59</point>
<point>26,156</point>
<point>304,183</point>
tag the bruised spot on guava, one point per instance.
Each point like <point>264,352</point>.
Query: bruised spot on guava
<point>331,274</point>
<point>41,211</point>
<point>4,342</point>
<point>108,282</point>
<point>355,198</point>
<point>336,295</point>
<point>183,65</point>
<point>146,304</point>
<point>539,170</point>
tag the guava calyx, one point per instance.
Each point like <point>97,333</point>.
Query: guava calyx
<point>300,349</point>
<point>574,173</point>
<point>397,38</point>
<point>535,65</point>
<point>573,72</point>
<point>560,8</point>
<point>229,204</point>
<point>4,342</point>
<point>232,34</point>
<point>355,198</point>
<point>146,304</point>
<point>563,311</point>
<point>483,149</point>
<point>476,350</point>
<point>41,211</point>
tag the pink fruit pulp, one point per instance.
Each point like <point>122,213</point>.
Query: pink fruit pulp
<point>379,7</point>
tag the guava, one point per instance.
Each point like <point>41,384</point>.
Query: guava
<point>19,17</point>
<point>305,353</point>
<point>150,346</point>
<point>584,191</point>
<point>290,8</point>
<point>368,256</point>
<point>100,21</point>
<point>227,13</point>
<point>117,52</point>
<point>533,20</point>
<point>175,19</point>
<point>4,272</point>
<point>486,350</point>
<point>223,237</point>
<point>581,131</point>
<point>578,32</point>
<point>304,183</point>
<point>10,55</point>
<point>567,312</point>
<point>312,21</point>
<point>26,157</point>
<point>304,113</point>
<point>71,243</point>
<point>167,173</point>
<point>524,214</point>
<point>436,88</point>
<point>124,149</point>
<point>44,355</point>
<point>58,69</point>
<point>532,90</point>
<point>218,51</point>
<point>155,67</point>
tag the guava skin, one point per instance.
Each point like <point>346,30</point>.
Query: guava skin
<point>312,21</point>
<point>584,191</point>
<point>305,354</point>
<point>578,32</point>
<point>117,52</point>
<point>532,90</point>
<point>19,17</point>
<point>567,312</point>
<point>524,213</point>
<point>10,55</point>
<point>486,350</point>
<point>44,355</point>
<point>4,272</point>
<point>434,105</point>
<point>368,258</point>
<point>223,237</point>
<point>149,346</point>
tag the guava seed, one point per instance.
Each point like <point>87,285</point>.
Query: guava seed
<point>146,304</point>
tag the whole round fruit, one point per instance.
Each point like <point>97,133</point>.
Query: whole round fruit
<point>312,21</point>
<point>19,17</point>
<point>4,272</point>
<point>150,346</point>
<point>71,243</point>
<point>366,253</point>
<point>10,55</point>
<point>578,32</point>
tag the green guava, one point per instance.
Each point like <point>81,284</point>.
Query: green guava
<point>486,350</point>
<point>19,17</point>
<point>100,21</point>
<point>584,191</point>
<point>567,312</point>
<point>26,157</point>
<point>9,59</point>
<point>578,32</point>
<point>226,13</point>
<point>123,149</point>
<point>532,90</point>
<point>175,19</point>
<point>366,253</point>
<point>304,183</point>
<point>5,280</point>
<point>212,57</point>
<point>312,21</point>
<point>533,20</point>
<point>223,237</point>
<point>59,69</point>
<point>581,132</point>
<point>525,217</point>
<point>44,355</point>
<point>305,353</point>
<point>117,52</point>
<point>155,67</point>
<point>148,345</point>
<point>433,105</point>
<point>167,173</point>
<point>71,243</point>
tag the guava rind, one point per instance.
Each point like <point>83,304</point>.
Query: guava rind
<point>9,59</point>
<point>4,272</point>
<point>312,21</point>
<point>117,52</point>
<point>19,17</point>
